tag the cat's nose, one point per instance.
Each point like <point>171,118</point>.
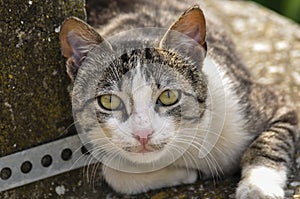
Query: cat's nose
<point>143,136</point>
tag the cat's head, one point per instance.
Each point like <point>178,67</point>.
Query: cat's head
<point>140,105</point>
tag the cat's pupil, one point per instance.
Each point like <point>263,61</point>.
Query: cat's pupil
<point>168,94</point>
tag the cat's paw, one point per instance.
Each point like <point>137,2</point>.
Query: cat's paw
<point>262,183</point>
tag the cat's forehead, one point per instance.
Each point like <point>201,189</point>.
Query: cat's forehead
<point>144,78</point>
<point>139,67</point>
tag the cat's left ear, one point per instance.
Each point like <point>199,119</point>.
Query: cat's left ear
<point>77,38</point>
<point>191,25</point>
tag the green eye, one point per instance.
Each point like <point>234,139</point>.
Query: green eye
<point>169,97</point>
<point>109,102</point>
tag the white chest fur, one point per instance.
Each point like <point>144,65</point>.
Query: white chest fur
<point>221,140</point>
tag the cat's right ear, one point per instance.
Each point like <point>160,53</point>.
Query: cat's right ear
<point>77,38</point>
<point>187,34</point>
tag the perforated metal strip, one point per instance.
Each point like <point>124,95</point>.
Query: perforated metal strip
<point>42,162</point>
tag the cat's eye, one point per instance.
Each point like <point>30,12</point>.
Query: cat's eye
<point>169,97</point>
<point>110,102</point>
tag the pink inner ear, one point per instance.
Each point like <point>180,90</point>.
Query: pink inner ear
<point>79,46</point>
<point>194,33</point>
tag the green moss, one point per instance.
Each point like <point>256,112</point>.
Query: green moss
<point>35,105</point>
<point>34,98</point>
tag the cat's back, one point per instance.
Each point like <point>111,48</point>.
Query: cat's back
<point>122,15</point>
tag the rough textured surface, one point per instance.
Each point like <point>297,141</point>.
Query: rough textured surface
<point>34,102</point>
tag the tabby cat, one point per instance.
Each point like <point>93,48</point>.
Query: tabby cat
<point>168,109</point>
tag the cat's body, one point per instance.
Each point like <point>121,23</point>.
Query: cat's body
<point>238,121</point>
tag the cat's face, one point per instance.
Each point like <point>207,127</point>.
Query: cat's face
<point>143,106</point>
<point>147,105</point>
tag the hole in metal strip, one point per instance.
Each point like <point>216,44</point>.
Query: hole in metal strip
<point>66,154</point>
<point>46,161</point>
<point>5,173</point>
<point>84,150</point>
<point>26,167</point>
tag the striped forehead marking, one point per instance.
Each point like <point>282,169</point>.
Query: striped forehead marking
<point>141,90</point>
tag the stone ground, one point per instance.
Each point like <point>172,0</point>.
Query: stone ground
<point>269,44</point>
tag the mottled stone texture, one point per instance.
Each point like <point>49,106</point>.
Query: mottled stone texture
<point>34,101</point>
<point>35,106</point>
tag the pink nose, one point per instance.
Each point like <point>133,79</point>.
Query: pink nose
<point>143,136</point>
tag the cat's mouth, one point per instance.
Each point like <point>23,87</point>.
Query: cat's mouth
<point>147,148</point>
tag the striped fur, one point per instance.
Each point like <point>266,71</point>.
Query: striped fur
<point>242,124</point>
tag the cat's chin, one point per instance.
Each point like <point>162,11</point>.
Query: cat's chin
<point>144,156</point>
<point>144,148</point>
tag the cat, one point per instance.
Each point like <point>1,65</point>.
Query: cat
<point>169,111</point>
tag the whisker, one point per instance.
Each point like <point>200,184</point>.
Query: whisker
<point>66,130</point>
<point>111,154</point>
<point>209,157</point>
<point>187,167</point>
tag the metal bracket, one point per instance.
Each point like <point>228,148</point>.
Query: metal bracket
<point>42,162</point>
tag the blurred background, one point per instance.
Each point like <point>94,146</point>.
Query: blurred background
<point>288,8</point>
